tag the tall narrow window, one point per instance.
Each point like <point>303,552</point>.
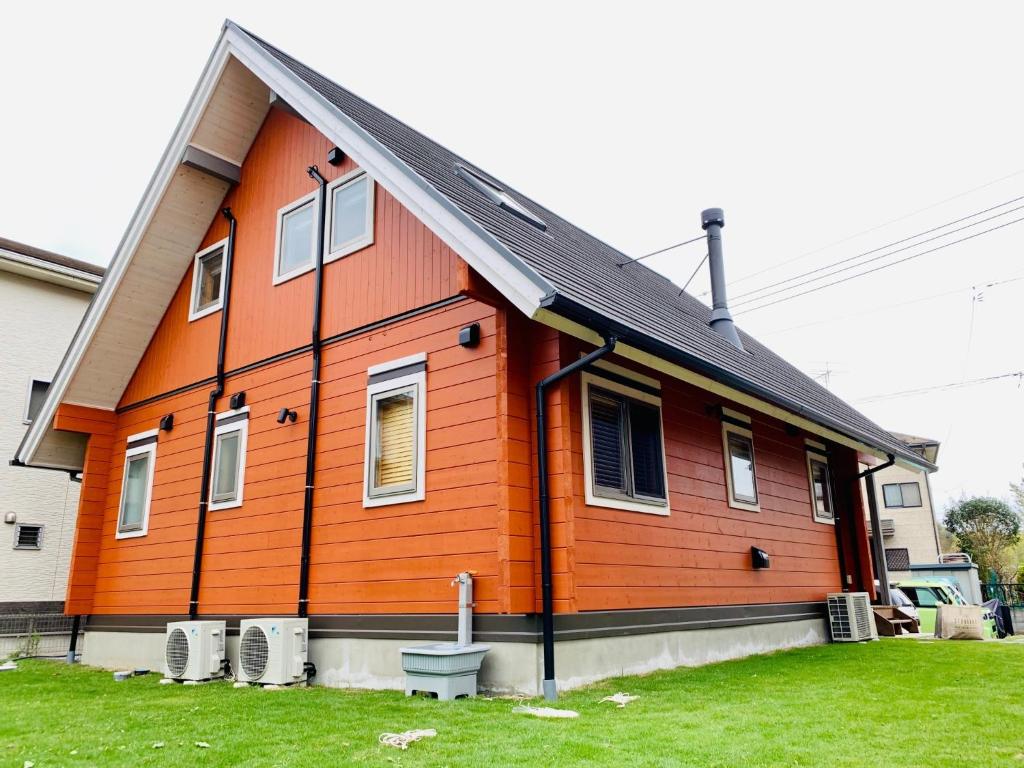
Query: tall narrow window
<point>229,444</point>
<point>395,432</point>
<point>740,468</point>
<point>821,488</point>
<point>296,238</point>
<point>137,486</point>
<point>350,212</point>
<point>624,456</point>
<point>207,282</point>
<point>35,398</point>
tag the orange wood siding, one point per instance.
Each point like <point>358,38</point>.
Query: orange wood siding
<point>406,267</point>
<point>700,553</point>
<point>398,558</point>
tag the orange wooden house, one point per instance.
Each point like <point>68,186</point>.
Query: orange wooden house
<point>309,385</point>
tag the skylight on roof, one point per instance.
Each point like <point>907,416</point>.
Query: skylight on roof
<point>498,196</point>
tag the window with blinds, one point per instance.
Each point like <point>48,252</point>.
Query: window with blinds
<point>625,448</point>
<point>394,455</point>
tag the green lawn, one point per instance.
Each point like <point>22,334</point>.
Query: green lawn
<point>895,702</point>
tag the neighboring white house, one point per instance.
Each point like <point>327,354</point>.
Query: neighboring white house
<point>909,529</point>
<point>43,297</point>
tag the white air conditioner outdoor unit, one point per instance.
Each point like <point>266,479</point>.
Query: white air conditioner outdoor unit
<point>194,650</point>
<point>888,526</point>
<point>851,618</point>
<point>272,651</point>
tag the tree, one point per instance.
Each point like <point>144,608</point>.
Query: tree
<point>985,528</point>
<point>1017,489</point>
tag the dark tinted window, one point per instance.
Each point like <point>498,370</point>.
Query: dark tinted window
<point>626,446</point>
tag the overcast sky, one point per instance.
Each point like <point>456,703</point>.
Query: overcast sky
<point>822,132</point>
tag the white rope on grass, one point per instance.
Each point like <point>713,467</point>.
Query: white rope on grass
<point>403,740</point>
<point>619,699</point>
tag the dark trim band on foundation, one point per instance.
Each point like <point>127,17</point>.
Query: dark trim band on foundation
<point>294,352</point>
<point>508,628</point>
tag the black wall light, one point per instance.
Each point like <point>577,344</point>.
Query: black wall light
<point>760,558</point>
<point>335,156</point>
<point>237,401</point>
<point>470,335</point>
<point>286,415</point>
<point>167,422</point>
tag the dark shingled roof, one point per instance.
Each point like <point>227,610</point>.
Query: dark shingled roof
<point>50,256</point>
<point>589,284</point>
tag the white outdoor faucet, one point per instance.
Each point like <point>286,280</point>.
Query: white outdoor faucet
<point>465,582</point>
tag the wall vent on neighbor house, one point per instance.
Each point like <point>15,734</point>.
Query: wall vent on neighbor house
<point>888,526</point>
<point>850,617</point>
<point>897,559</point>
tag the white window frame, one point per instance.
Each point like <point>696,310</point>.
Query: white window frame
<point>382,389</point>
<point>729,427</point>
<point>17,535</point>
<point>592,498</point>
<point>242,427</point>
<point>282,213</point>
<point>193,313</point>
<point>25,419</point>
<point>815,452</point>
<point>360,242</point>
<point>129,453</point>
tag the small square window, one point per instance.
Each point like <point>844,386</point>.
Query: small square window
<point>28,536</point>
<point>296,238</point>
<point>395,435</point>
<point>229,443</point>
<point>350,214</point>
<point>34,400</point>
<point>821,489</point>
<point>624,454</point>
<point>136,486</point>
<point>740,469</point>
<point>207,281</point>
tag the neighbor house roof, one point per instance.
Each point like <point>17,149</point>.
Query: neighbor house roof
<point>926,446</point>
<point>554,271</point>
<point>30,261</point>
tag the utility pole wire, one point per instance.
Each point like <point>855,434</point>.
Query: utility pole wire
<point>695,271</point>
<point>661,250</point>
<point>877,227</point>
<point>881,267</point>
<point>937,387</point>
<point>784,288</point>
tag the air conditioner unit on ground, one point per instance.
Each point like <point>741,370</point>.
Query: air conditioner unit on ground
<point>194,650</point>
<point>850,617</point>
<point>272,651</point>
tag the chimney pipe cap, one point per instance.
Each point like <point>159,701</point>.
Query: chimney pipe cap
<point>711,216</point>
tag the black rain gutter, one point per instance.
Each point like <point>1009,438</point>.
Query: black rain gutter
<point>314,395</point>
<point>211,418</point>
<point>548,619</point>
<point>591,318</point>
<point>877,549</point>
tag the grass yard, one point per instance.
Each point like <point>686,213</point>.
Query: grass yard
<point>894,702</point>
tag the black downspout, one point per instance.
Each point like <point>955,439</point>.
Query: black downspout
<point>314,396</point>
<point>211,417</point>
<point>76,627</point>
<point>550,691</point>
<point>877,550</point>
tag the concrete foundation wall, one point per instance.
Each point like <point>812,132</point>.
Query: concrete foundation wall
<point>508,667</point>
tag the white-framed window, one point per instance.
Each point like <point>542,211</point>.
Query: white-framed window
<point>902,494</point>
<point>623,443</point>
<point>349,214</point>
<point>34,399</point>
<point>137,485</point>
<point>820,480</point>
<point>208,281</point>
<point>740,468</point>
<point>227,479</point>
<point>396,432</point>
<point>296,238</point>
<point>28,536</point>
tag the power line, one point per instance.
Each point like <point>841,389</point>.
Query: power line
<point>939,387</point>
<point>763,289</point>
<point>660,250</point>
<point>876,227</point>
<point>881,267</point>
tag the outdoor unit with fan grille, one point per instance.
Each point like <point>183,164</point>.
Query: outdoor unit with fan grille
<point>195,650</point>
<point>272,651</point>
<point>851,618</point>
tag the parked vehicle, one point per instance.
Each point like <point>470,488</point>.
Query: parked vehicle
<point>899,598</point>
<point>927,595</point>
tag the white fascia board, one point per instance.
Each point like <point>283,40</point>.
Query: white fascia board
<point>40,269</point>
<point>158,184</point>
<point>497,264</point>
